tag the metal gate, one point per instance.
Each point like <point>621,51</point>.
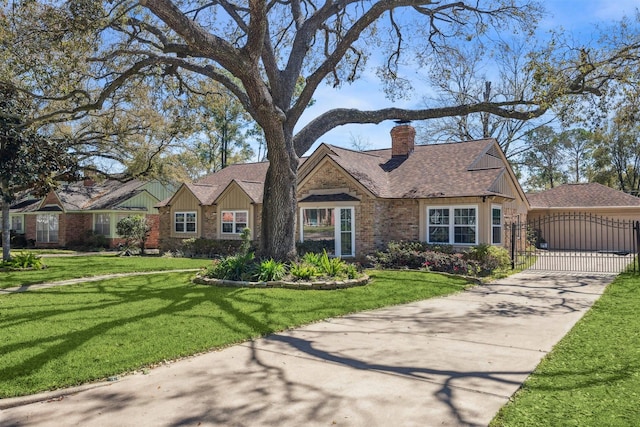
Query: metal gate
<point>574,242</point>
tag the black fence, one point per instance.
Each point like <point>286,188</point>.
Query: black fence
<point>574,242</point>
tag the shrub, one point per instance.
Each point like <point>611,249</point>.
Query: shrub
<point>312,258</point>
<point>245,238</point>
<point>236,267</point>
<point>135,230</point>
<point>314,246</point>
<point>271,270</point>
<point>400,255</point>
<point>90,241</point>
<point>351,271</point>
<point>489,258</point>
<point>243,266</point>
<point>18,240</point>
<point>449,263</point>
<point>482,259</point>
<point>24,260</point>
<point>208,248</point>
<point>302,271</point>
<point>332,267</point>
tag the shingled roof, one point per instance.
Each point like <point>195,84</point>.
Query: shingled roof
<point>76,196</point>
<point>581,195</point>
<point>438,170</point>
<point>461,169</point>
<point>249,176</point>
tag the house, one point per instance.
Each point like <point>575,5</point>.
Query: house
<point>67,215</point>
<point>585,217</point>
<point>355,202</point>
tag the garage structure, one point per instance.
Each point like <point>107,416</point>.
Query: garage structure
<point>578,227</point>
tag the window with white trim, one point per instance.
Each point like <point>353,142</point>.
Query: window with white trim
<point>47,228</point>
<point>17,223</point>
<point>496,225</point>
<point>102,224</point>
<point>184,222</point>
<point>233,222</point>
<point>452,225</point>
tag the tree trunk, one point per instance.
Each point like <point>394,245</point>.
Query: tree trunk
<point>6,230</point>
<point>279,204</point>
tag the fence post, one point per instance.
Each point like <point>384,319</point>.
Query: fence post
<point>636,261</point>
<point>513,245</point>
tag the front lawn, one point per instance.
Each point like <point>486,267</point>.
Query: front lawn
<point>63,268</point>
<point>592,377</point>
<point>68,335</point>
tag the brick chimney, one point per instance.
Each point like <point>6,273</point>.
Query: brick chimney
<point>402,140</point>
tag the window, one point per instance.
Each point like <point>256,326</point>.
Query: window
<point>496,225</point>
<point>332,228</point>
<point>47,228</point>
<point>452,225</point>
<point>185,222</point>
<point>16,223</point>
<point>233,222</point>
<point>102,224</point>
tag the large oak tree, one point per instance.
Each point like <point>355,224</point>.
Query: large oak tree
<point>259,50</point>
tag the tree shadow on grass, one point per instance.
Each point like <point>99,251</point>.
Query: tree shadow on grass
<point>108,308</point>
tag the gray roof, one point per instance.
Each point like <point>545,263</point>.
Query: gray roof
<point>581,195</point>
<point>78,196</point>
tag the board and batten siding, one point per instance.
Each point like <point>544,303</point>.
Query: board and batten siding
<point>159,190</point>
<point>185,201</point>
<point>235,199</point>
<point>143,202</point>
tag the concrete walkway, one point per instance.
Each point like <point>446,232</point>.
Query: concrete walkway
<point>450,361</point>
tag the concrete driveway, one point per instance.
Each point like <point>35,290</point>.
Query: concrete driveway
<point>450,361</point>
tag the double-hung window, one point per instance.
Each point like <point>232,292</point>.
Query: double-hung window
<point>496,225</point>
<point>103,224</point>
<point>233,222</point>
<point>452,225</point>
<point>47,228</point>
<point>185,222</point>
<point>16,223</point>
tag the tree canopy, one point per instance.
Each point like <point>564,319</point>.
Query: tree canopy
<point>28,159</point>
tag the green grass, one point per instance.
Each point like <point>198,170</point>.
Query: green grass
<point>68,335</point>
<point>592,377</point>
<point>63,268</point>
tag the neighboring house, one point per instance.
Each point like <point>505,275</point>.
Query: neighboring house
<point>356,202</point>
<point>584,217</point>
<point>67,215</point>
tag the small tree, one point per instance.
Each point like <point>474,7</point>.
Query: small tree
<point>135,230</point>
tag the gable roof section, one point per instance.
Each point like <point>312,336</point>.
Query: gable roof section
<point>249,176</point>
<point>252,172</point>
<point>254,190</point>
<point>471,168</point>
<point>581,195</point>
<point>105,195</point>
<point>441,170</point>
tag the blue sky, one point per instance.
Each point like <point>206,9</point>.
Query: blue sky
<point>575,16</point>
